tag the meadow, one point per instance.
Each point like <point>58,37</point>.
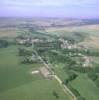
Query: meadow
<point>17,82</point>
<point>82,83</point>
<point>86,87</point>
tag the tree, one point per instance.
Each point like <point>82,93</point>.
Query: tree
<point>92,75</point>
<point>80,98</point>
<point>3,43</point>
<point>55,94</point>
<point>72,75</point>
<point>24,52</point>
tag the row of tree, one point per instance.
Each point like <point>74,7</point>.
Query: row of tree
<point>72,76</point>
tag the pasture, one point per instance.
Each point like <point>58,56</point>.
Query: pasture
<point>17,82</point>
<point>82,83</point>
<point>86,87</point>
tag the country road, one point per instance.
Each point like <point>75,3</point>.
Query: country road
<point>64,87</point>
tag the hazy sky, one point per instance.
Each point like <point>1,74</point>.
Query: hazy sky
<point>50,8</point>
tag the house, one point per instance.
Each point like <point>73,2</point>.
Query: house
<point>87,61</point>
<point>45,72</point>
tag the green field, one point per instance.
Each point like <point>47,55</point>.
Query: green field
<point>17,82</point>
<point>83,84</point>
<point>60,71</point>
<point>86,87</point>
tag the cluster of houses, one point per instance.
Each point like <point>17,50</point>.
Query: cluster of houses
<point>30,40</point>
<point>87,61</point>
<point>66,45</point>
<point>44,72</point>
<point>60,43</point>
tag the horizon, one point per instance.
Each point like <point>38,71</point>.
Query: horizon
<point>85,9</point>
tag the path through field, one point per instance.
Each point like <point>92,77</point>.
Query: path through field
<point>64,87</point>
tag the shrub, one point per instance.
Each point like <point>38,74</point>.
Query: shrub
<point>92,75</point>
<point>3,43</point>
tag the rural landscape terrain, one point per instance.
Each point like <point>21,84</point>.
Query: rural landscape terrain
<point>49,59</point>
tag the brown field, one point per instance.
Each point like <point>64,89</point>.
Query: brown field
<point>93,29</point>
<point>8,32</point>
<point>92,41</point>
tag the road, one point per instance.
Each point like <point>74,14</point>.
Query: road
<point>64,87</point>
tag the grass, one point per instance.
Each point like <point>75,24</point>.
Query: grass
<point>36,90</point>
<point>95,60</point>
<point>91,32</point>
<point>60,71</point>
<point>17,83</point>
<point>12,72</point>
<point>82,83</point>
<point>86,87</point>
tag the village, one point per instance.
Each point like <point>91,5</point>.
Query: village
<point>59,44</point>
<point>51,52</point>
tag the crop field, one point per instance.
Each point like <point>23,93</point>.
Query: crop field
<point>17,82</point>
<point>91,32</point>
<point>91,29</point>
<point>8,32</point>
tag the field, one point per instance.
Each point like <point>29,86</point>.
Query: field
<point>16,79</point>
<point>8,32</point>
<point>17,82</point>
<point>83,84</point>
<point>92,32</point>
<point>86,87</point>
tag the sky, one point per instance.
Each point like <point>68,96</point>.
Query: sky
<point>50,8</point>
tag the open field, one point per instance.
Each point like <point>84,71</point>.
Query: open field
<point>17,82</point>
<point>8,32</point>
<point>60,71</point>
<point>95,60</point>
<point>86,87</point>
<point>91,41</point>
<point>91,29</point>
<point>36,90</point>
<point>83,84</point>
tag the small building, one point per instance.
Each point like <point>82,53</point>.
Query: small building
<point>87,61</point>
<point>45,72</point>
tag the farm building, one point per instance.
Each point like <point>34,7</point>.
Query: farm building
<point>45,72</point>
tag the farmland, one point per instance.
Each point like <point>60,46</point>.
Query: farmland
<point>34,51</point>
<point>86,87</point>
<point>17,82</point>
<point>83,84</point>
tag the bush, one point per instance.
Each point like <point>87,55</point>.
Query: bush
<point>71,76</point>
<point>3,43</point>
<point>80,98</point>
<point>55,94</point>
<point>76,93</point>
<point>92,75</point>
<point>24,52</point>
